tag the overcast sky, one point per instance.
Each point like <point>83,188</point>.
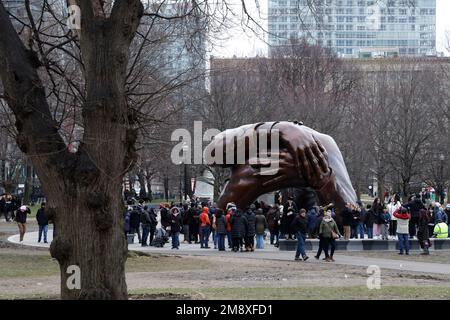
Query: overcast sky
<point>245,43</point>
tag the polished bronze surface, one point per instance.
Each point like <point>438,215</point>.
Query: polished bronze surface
<point>307,159</point>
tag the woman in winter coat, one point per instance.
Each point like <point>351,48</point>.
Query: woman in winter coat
<point>329,229</point>
<point>392,206</point>
<point>377,209</point>
<point>238,229</point>
<point>260,228</point>
<point>221,229</point>
<point>423,234</point>
<point>403,218</point>
<point>250,234</point>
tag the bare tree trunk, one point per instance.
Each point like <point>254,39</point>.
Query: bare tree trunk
<point>83,189</point>
<point>27,187</point>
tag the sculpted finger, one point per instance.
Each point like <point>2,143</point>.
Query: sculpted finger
<point>305,165</point>
<point>274,180</point>
<point>322,160</point>
<point>314,163</point>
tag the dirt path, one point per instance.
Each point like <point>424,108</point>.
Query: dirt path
<point>237,273</point>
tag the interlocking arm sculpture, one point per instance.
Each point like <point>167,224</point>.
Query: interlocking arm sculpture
<point>305,159</point>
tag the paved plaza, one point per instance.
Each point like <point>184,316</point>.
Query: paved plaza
<point>269,253</point>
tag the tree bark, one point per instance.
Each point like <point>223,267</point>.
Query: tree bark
<point>83,189</point>
<point>27,186</point>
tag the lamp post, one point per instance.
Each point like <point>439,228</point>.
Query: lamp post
<point>441,177</point>
<point>185,150</point>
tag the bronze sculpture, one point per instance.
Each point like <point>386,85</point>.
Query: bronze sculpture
<point>308,161</point>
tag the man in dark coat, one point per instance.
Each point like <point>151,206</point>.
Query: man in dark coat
<point>220,229</point>
<point>273,218</point>
<point>238,229</point>
<point>164,212</point>
<point>42,221</point>
<point>414,206</point>
<point>251,225</point>
<point>299,226</point>
<point>135,222</point>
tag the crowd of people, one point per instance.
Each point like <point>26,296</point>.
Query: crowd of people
<point>202,223</point>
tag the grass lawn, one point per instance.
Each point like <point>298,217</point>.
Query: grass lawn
<point>434,257</point>
<point>17,265</point>
<point>303,293</point>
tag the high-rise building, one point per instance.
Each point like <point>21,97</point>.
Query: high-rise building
<point>356,28</point>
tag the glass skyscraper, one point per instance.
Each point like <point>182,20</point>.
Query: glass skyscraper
<point>356,28</point>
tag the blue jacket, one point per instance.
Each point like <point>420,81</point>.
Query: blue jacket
<point>312,219</point>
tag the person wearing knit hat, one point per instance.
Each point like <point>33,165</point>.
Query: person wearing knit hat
<point>329,231</point>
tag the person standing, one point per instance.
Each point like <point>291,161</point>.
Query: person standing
<point>377,209</point>
<point>393,205</point>
<point>423,234</point>
<point>347,220</point>
<point>221,229</point>
<point>440,230</point>
<point>330,232</point>
<point>135,222</point>
<point>299,225</point>
<point>153,224</point>
<point>384,227</point>
<point>403,218</point>
<point>289,211</point>
<point>273,218</point>
<point>250,234</point>
<point>176,224</point>
<point>186,223</point>
<point>164,214</point>
<point>205,224</point>
<point>230,211</point>
<point>42,221</point>
<point>362,219</point>
<point>312,216</point>
<point>238,227</point>
<point>21,219</point>
<point>321,241</point>
<point>446,216</point>
<point>261,225</point>
<point>195,223</point>
<point>414,207</point>
<point>146,225</point>
<point>371,218</point>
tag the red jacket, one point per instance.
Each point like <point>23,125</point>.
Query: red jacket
<point>204,218</point>
<point>227,221</point>
<point>403,216</point>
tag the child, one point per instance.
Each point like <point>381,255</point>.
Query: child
<point>385,219</point>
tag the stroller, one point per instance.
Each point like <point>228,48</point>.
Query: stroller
<point>161,238</point>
